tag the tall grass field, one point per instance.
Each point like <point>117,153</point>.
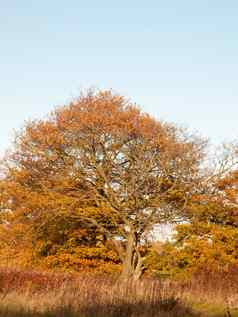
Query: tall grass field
<point>34,294</point>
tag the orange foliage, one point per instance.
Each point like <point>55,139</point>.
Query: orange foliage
<point>84,187</point>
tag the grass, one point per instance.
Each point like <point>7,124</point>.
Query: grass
<point>32,294</point>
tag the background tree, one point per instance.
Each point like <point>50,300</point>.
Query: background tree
<point>210,236</point>
<point>101,162</point>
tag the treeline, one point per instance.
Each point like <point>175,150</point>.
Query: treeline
<point>83,189</point>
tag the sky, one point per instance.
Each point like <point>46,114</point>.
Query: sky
<point>178,60</point>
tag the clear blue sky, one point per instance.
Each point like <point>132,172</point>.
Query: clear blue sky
<point>177,59</point>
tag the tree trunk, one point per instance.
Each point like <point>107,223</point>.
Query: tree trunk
<point>132,265</point>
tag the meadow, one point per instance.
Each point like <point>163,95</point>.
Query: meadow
<point>41,294</point>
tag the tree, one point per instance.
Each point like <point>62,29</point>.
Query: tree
<point>38,231</point>
<point>210,236</point>
<point>102,152</point>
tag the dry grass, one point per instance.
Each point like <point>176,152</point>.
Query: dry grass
<point>40,294</point>
<point>32,294</point>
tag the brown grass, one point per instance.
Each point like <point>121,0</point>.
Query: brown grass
<point>34,294</point>
<point>43,294</point>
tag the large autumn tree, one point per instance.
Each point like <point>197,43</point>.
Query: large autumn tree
<point>103,163</point>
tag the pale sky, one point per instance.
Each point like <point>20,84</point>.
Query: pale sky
<point>177,59</point>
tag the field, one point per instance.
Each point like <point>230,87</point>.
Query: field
<point>34,294</point>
